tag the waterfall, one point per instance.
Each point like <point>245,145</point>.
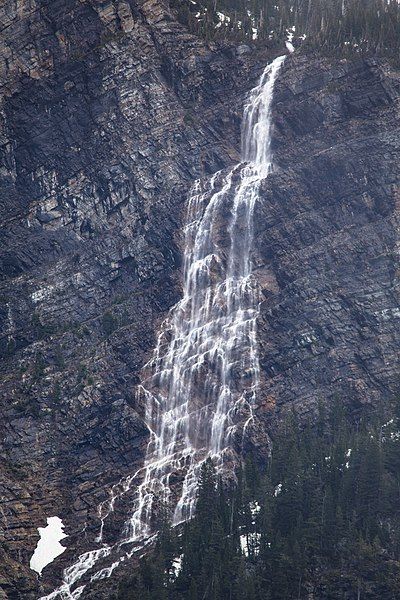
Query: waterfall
<point>199,387</point>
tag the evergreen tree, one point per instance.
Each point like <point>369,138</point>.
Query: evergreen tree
<point>323,517</point>
<point>338,26</point>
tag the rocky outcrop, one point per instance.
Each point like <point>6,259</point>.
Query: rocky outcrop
<point>109,112</point>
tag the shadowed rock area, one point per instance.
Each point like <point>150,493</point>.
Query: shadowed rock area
<point>109,112</point>
<point>327,238</point>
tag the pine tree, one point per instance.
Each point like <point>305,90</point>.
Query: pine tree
<point>348,27</point>
<point>331,526</point>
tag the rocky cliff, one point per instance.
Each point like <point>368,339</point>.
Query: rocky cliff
<point>110,110</point>
<point>328,237</point>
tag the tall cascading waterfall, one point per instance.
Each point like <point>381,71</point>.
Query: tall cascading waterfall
<point>201,383</point>
<point>200,386</point>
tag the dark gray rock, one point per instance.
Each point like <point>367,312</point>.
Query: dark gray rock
<point>109,111</point>
<point>327,238</point>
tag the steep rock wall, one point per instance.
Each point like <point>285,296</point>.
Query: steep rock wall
<point>328,238</point>
<point>109,112</point>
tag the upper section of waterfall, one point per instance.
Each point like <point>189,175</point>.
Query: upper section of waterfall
<point>257,122</point>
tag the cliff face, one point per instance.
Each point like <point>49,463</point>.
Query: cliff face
<point>109,112</point>
<point>328,237</point>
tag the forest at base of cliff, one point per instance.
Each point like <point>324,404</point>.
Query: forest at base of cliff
<point>321,521</point>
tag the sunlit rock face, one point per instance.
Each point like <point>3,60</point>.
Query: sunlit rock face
<point>110,113</point>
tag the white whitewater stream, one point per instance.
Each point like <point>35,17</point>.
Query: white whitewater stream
<point>200,386</point>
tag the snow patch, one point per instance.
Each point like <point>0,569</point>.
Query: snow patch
<point>42,294</point>
<point>389,313</point>
<point>223,18</point>
<point>348,454</point>
<point>48,547</point>
<point>250,543</point>
<point>177,565</point>
<point>254,508</point>
<point>290,35</point>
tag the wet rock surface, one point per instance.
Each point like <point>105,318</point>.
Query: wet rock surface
<point>109,112</point>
